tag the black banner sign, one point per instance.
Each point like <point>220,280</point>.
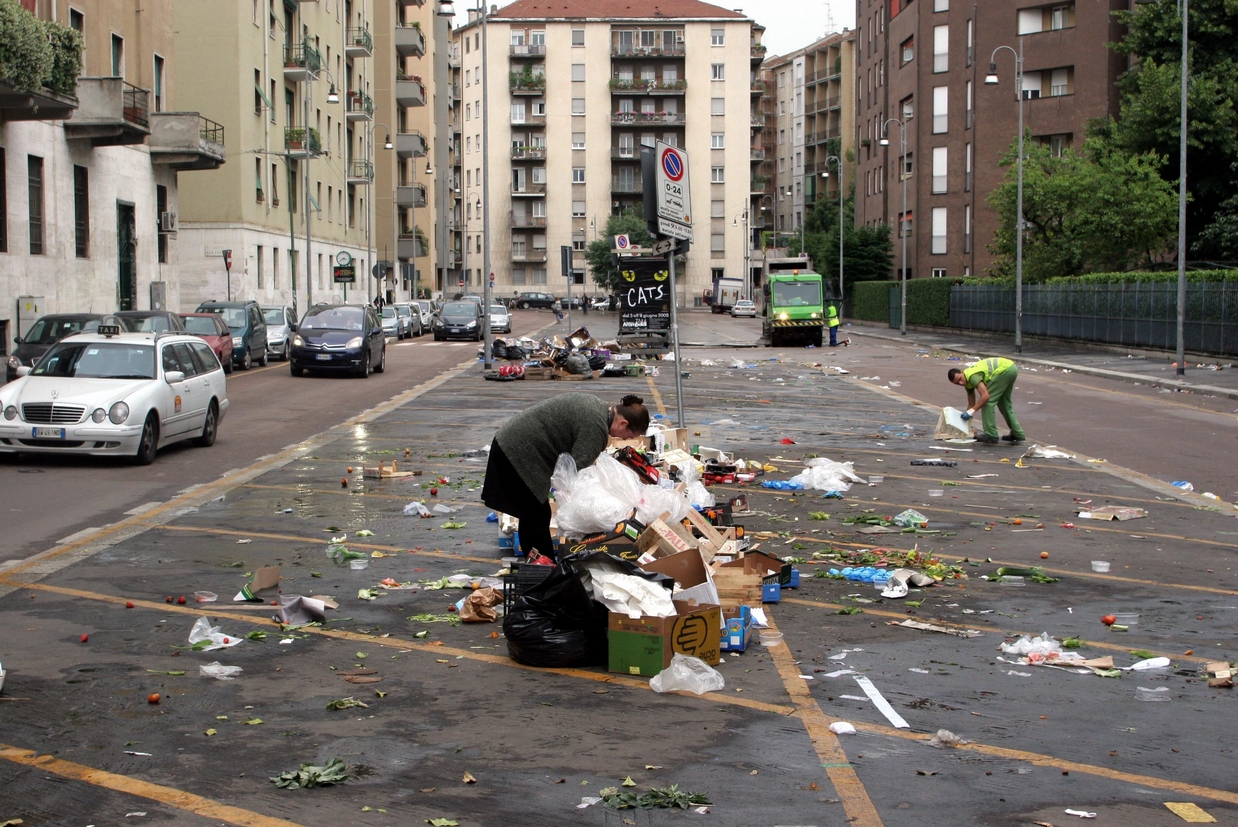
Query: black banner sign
<point>644,296</point>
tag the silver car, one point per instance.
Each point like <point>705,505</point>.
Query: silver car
<point>392,326</point>
<point>500,319</point>
<point>410,319</point>
<point>281,324</point>
<point>426,308</point>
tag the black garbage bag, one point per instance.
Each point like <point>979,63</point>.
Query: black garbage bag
<point>597,362</point>
<point>516,352</point>
<point>499,349</point>
<point>577,364</point>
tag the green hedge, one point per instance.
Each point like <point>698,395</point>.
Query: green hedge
<point>870,300</point>
<point>1138,276</point>
<point>35,54</point>
<point>928,302</point>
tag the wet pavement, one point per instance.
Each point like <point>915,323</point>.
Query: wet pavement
<point>449,702</point>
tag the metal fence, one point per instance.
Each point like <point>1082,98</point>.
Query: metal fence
<point>1135,314</point>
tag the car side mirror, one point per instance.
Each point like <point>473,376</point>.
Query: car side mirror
<point>23,370</point>
<point>17,340</point>
<point>292,328</point>
<point>174,376</point>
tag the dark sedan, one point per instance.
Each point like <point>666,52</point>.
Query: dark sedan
<point>339,337</point>
<point>526,300</point>
<point>45,332</point>
<point>458,320</point>
<point>150,321</point>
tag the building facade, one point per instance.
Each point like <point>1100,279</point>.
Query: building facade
<point>296,98</point>
<point>89,174</point>
<point>923,64</point>
<point>575,90</point>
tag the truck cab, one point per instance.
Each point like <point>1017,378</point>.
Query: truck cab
<point>794,308</point>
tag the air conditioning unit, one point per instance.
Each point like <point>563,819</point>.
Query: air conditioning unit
<point>167,222</point>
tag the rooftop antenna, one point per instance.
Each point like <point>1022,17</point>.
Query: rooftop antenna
<point>829,19</point>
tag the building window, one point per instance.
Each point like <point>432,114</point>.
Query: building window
<point>717,140</point>
<point>967,167</point>
<point>578,72</point>
<point>258,262</point>
<point>158,84</point>
<point>967,103</point>
<point>1062,17</point>
<point>578,37</point>
<point>908,164</point>
<point>717,71</point>
<point>717,243</point>
<point>939,272</point>
<point>539,209</point>
<point>941,97</point>
<point>77,21</point>
<point>970,42</point>
<point>118,56</point>
<point>717,208</point>
<point>578,175</point>
<point>578,140</point>
<point>578,209</point>
<point>81,211</point>
<point>537,38</point>
<point>908,109</point>
<point>578,106</point>
<point>908,50</point>
<point>539,175</point>
<point>939,231</point>
<point>941,5</point>
<point>1059,82</point>
<point>905,221</point>
<point>967,228</point>
<point>717,37</point>
<point>717,106</point>
<point>1058,144</point>
<point>161,208</point>
<point>539,275</point>
<point>939,169</point>
<point>34,174</point>
<point>717,175</point>
<point>941,48</point>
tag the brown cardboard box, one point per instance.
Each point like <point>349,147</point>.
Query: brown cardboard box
<point>689,573</point>
<point>665,539</point>
<point>739,582</point>
<point>645,645</point>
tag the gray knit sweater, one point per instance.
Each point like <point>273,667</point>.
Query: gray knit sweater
<point>573,423</point>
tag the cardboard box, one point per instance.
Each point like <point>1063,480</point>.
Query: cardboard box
<point>739,629</point>
<point>670,439</point>
<point>690,574</point>
<point>664,540</point>
<point>621,543</point>
<point>645,645</point>
<point>753,578</point>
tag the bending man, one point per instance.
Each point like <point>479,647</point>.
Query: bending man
<point>990,384</point>
<point>526,449</point>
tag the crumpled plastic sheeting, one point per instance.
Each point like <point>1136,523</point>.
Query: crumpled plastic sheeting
<point>1042,644</point>
<point>630,595</point>
<point>695,490</point>
<point>1047,452</point>
<point>689,674</point>
<point>203,630</point>
<point>595,499</point>
<point>218,671</point>
<point>827,475</point>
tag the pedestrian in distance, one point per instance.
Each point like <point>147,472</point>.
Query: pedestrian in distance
<point>525,450</point>
<point>557,307</point>
<point>584,305</point>
<point>990,384</point>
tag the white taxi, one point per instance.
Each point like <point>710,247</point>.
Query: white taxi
<point>111,393</point>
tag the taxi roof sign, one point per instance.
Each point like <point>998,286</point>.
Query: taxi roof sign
<point>109,330</point>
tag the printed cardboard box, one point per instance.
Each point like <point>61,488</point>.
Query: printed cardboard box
<point>645,645</point>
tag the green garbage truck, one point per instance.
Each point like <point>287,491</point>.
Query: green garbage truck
<point>794,310</point>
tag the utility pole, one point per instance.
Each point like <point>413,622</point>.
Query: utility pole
<point>485,192</point>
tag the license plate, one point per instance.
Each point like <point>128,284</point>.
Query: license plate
<point>48,433</point>
<point>454,330</point>
<point>323,357</point>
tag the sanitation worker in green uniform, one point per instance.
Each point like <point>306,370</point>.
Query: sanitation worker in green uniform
<point>990,384</point>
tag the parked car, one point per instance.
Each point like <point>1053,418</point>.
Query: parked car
<point>410,316</point>
<point>458,320</point>
<point>339,337</point>
<point>500,319</point>
<point>743,307</point>
<point>426,308</point>
<point>600,303</point>
<point>45,332</point>
<point>149,321</point>
<point>249,330</point>
<point>526,300</point>
<point>392,326</point>
<point>115,393</point>
<point>281,324</point>
<point>214,332</point>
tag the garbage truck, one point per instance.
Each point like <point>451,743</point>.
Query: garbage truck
<point>794,308</point>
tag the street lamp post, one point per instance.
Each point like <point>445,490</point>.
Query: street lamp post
<point>444,190</point>
<point>902,219</point>
<point>991,80</point>
<point>747,248</point>
<point>826,174</point>
<point>369,235</point>
<point>332,97</point>
<point>485,184</point>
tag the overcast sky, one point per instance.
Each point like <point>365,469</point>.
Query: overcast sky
<point>789,24</point>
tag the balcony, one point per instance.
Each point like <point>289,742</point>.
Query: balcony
<point>758,87</point>
<point>412,144</point>
<point>296,145</point>
<point>528,50</point>
<point>409,41</point>
<point>524,84</point>
<point>528,222</point>
<point>358,106</point>
<point>529,191</point>
<point>628,50</point>
<point>110,113</point>
<point>528,120</point>
<point>34,105</point>
<point>410,195</point>
<point>412,245</point>
<point>758,185</point>
<point>528,153</point>
<point>359,43</point>
<point>529,257</point>
<point>625,186</point>
<point>625,153</point>
<point>758,52</point>
<point>756,153</point>
<point>409,91</point>
<point>757,122</point>
<point>185,141</point>
<point>360,173</point>
<point>648,119</point>
<point>407,3</point>
<point>301,62</point>
<point>455,92</point>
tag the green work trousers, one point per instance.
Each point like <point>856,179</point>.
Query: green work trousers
<point>1001,393</point>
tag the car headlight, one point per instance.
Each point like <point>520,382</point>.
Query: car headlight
<point>118,413</point>
<point>10,412</point>
<point>471,324</point>
<point>814,314</point>
<point>354,343</point>
<point>99,415</point>
<point>14,362</point>
<point>236,341</point>
<point>783,317</point>
<point>297,341</point>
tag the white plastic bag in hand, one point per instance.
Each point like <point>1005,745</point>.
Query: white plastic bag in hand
<point>687,673</point>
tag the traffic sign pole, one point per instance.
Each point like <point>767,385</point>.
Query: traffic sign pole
<point>680,422</point>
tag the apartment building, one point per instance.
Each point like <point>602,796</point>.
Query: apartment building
<point>575,89</point>
<point>292,84</point>
<point>923,64</point>
<point>811,122</point>
<point>90,157</point>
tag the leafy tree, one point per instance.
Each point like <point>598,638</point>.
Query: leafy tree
<point>868,252</point>
<point>1098,210</point>
<point>597,254</point>
<point>1149,116</point>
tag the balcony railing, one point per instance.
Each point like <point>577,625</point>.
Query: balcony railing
<point>758,51</point>
<point>411,144</point>
<point>528,119</point>
<point>625,153</point>
<point>667,87</point>
<point>297,146</point>
<point>538,256</point>
<point>757,122</point>
<point>648,119</point>
<point>185,141</point>
<point>410,91</point>
<point>522,84</point>
<point>756,153</point>
<point>529,189</point>
<point>527,221</point>
<point>758,87</point>
<point>625,186</point>
<point>624,50</point>
<point>528,50</point>
<point>360,173</point>
<point>528,153</point>
<point>358,106</point>
<point>410,195</point>
<point>359,42</point>
<point>301,61</point>
<point>409,41</point>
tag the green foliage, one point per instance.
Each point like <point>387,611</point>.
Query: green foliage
<point>1145,277</point>
<point>928,302</point>
<point>871,300</point>
<point>1096,210</point>
<point>1149,115</point>
<point>630,222</point>
<point>66,47</point>
<point>25,57</point>
<point>868,252</point>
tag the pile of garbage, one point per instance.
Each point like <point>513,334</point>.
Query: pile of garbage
<point>553,357</point>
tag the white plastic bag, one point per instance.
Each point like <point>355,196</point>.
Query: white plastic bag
<point>655,500</point>
<point>416,508</point>
<point>827,475</point>
<point>694,490</point>
<point>218,671</point>
<point>687,674</point>
<point>1042,644</point>
<point>842,728</point>
<point>563,480</point>
<point>203,630</point>
<point>599,497</point>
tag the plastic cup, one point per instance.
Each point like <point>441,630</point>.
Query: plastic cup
<point>359,564</point>
<point>205,597</point>
<point>1100,565</point>
<point>770,638</point>
<point>1160,693</point>
<point>936,492</point>
<point>876,479</point>
<point>1013,580</point>
<point>1127,618</point>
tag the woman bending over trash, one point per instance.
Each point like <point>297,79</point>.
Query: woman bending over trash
<point>525,450</point>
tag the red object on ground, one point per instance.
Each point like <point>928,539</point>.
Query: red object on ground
<point>128,605</point>
<point>85,638</point>
<point>787,441</point>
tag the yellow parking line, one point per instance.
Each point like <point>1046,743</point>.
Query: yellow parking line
<point>170,796</point>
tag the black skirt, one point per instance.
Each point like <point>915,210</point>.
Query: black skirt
<point>503,489</point>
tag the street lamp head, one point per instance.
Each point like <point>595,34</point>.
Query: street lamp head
<point>991,78</point>
<point>884,142</point>
<point>387,143</point>
<point>429,169</point>
<point>446,9</point>
<point>825,174</point>
<point>332,95</point>
<point>734,222</point>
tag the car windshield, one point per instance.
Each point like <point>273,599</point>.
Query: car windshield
<point>99,360</point>
<point>149,324</point>
<point>426,307</point>
<point>274,315</point>
<point>234,317</point>
<point>334,318</point>
<point>797,293</point>
<point>201,325</point>
<point>45,331</point>
<point>498,310</point>
<point>388,312</point>
<point>459,309</point>
<point>403,310</point>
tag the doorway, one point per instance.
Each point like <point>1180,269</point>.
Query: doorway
<point>126,255</point>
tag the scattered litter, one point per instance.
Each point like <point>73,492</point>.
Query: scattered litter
<point>980,476</point>
<point>1046,452</point>
<point>687,673</point>
<point>839,673</point>
<point>951,447</point>
<point>144,754</point>
<point>445,509</point>
<point>664,798</point>
<point>244,542</point>
<point>1113,512</point>
<point>301,611</point>
<point>1183,484</point>
<point>1223,674</point>
<point>204,637</point>
<point>333,772</point>
<point>478,606</point>
<point>827,475</point>
<point>346,703</point>
<point>1144,665</point>
<point>911,519</point>
<point>418,508</point>
<point>930,627</point>
<point>881,703</point>
<point>1189,812</point>
<point>264,578</point>
<point>218,671</point>
<point>951,425</point>
<point>901,579</point>
<point>1080,813</point>
<point>588,801</point>
<point>842,728</point>
<point>945,738</point>
<point>139,814</point>
<point>936,463</point>
<point>1019,674</point>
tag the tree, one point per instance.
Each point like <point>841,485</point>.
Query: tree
<point>630,222</point>
<point>868,252</point>
<point>1096,211</point>
<point>1148,120</point>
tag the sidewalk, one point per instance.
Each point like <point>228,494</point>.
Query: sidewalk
<point>1105,361</point>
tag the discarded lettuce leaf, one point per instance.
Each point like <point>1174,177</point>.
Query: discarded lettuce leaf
<point>346,703</point>
<point>453,524</point>
<point>333,772</point>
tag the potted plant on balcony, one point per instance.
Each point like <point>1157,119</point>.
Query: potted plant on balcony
<point>294,138</point>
